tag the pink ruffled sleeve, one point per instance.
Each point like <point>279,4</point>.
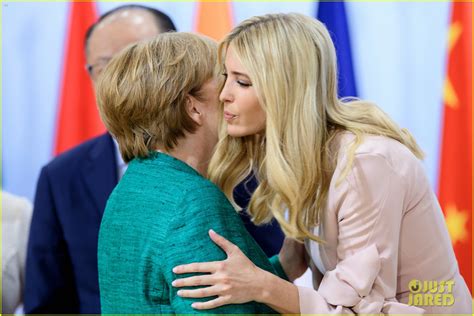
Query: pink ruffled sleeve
<point>369,206</point>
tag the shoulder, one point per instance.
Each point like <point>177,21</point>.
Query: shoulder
<point>381,168</point>
<point>206,199</point>
<point>380,151</point>
<point>206,193</point>
<point>68,161</point>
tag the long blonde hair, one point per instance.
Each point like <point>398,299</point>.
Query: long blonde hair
<point>291,62</point>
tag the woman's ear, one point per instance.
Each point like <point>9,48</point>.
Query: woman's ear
<point>193,108</point>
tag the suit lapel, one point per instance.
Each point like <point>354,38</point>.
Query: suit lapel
<point>99,172</point>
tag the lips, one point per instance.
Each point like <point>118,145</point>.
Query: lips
<point>229,116</point>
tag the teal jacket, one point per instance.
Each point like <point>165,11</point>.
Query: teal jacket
<point>158,217</point>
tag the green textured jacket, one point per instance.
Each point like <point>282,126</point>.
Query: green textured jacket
<point>158,217</point>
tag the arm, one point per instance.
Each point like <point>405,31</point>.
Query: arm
<point>293,259</point>
<point>237,280</point>
<point>291,262</point>
<point>278,267</point>
<point>364,279</point>
<point>200,211</point>
<point>49,279</point>
<point>369,207</point>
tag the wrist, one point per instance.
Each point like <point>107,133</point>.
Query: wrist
<point>264,287</point>
<point>279,294</point>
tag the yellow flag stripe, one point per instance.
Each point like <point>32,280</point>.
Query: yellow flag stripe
<point>450,97</point>
<point>456,221</point>
<point>455,31</point>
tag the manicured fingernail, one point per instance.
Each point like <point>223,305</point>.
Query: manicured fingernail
<point>212,231</point>
<point>179,292</point>
<point>173,283</point>
<point>175,269</point>
<point>193,305</point>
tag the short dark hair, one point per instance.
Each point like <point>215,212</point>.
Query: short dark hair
<point>163,21</point>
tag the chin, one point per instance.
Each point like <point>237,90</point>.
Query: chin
<point>234,131</point>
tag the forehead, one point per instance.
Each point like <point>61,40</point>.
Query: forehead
<point>120,30</point>
<point>233,62</point>
<point>231,58</point>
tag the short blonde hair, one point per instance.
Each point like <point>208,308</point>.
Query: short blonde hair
<point>142,92</point>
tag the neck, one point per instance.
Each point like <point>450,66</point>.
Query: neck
<point>194,150</point>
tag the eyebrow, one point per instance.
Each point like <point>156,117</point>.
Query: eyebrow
<point>236,73</point>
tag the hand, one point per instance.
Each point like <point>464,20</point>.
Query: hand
<point>235,280</point>
<point>293,258</point>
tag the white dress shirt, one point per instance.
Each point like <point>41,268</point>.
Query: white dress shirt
<point>121,165</point>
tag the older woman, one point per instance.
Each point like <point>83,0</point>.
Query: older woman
<point>159,100</point>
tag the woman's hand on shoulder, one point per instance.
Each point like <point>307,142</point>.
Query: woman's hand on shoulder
<point>235,280</point>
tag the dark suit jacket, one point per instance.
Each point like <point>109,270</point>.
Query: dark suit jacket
<point>72,190</point>
<point>61,265</point>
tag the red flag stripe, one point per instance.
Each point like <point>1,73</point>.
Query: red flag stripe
<point>455,187</point>
<point>78,118</point>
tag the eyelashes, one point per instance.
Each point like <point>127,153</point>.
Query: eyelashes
<point>241,83</point>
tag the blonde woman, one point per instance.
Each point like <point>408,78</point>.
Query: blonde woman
<point>159,99</point>
<point>340,176</point>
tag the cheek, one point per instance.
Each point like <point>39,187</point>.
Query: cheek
<point>260,120</point>
<point>254,119</point>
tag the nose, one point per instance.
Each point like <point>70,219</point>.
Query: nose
<point>226,95</point>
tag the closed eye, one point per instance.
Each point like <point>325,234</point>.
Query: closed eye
<point>241,83</point>
<point>244,84</point>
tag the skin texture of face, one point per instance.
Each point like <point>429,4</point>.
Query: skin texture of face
<point>242,111</point>
<point>115,33</point>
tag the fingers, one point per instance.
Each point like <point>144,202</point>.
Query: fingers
<point>194,281</point>
<point>210,304</point>
<point>226,245</point>
<point>199,293</point>
<point>197,267</point>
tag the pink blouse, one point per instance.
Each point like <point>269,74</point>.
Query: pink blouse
<point>387,247</point>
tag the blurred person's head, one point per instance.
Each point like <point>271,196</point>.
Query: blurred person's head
<point>162,95</point>
<point>118,28</point>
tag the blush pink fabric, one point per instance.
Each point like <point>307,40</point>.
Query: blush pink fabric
<point>383,227</point>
